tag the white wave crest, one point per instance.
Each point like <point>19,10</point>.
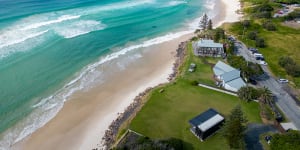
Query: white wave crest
<point>116,6</point>
<point>60,19</point>
<point>79,28</point>
<point>12,38</point>
<point>174,3</point>
<point>47,108</point>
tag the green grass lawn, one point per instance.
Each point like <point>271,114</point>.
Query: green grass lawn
<point>282,42</point>
<point>203,72</point>
<point>167,114</point>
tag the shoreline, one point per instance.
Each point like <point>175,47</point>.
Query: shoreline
<point>109,137</point>
<point>77,130</point>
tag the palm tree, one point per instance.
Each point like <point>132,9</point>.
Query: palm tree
<point>266,96</point>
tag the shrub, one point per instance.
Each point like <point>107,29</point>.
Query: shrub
<point>269,25</point>
<point>289,140</point>
<point>284,60</point>
<point>219,33</point>
<point>246,23</point>
<point>265,14</point>
<point>293,15</point>
<point>264,8</point>
<point>260,42</point>
<point>290,66</point>
<point>248,93</point>
<point>252,35</point>
<point>194,83</point>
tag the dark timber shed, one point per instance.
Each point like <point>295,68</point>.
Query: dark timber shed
<point>206,123</point>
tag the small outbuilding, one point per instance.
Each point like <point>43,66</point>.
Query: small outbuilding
<point>206,123</point>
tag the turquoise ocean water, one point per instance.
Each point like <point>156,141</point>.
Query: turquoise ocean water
<point>46,47</point>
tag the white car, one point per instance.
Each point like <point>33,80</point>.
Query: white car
<point>263,63</point>
<point>283,80</point>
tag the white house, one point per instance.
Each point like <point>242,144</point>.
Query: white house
<point>228,76</point>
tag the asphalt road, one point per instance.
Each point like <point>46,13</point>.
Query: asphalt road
<point>252,135</point>
<point>283,100</point>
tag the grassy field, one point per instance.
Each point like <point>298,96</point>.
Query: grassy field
<point>203,72</point>
<point>282,42</point>
<point>167,114</point>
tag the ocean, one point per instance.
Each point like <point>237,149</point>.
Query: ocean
<point>50,49</point>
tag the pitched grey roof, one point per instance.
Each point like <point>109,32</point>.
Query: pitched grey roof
<point>209,43</point>
<point>221,68</point>
<point>231,75</point>
<point>236,83</point>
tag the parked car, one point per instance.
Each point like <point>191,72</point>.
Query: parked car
<point>263,63</point>
<point>283,80</point>
<point>252,49</point>
<point>192,67</point>
<point>252,81</point>
<point>257,55</point>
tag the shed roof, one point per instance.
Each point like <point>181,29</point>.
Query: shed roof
<point>207,119</point>
<point>209,43</point>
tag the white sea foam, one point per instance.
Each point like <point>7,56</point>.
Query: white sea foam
<point>115,6</point>
<point>66,23</point>
<point>174,3</point>
<point>60,19</point>
<point>47,108</point>
<point>78,28</point>
<point>5,40</point>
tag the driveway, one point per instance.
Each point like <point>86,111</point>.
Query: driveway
<point>252,135</point>
<point>283,100</point>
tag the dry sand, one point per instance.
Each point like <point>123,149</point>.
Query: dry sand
<point>85,117</point>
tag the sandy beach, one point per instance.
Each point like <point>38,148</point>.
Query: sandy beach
<point>84,118</point>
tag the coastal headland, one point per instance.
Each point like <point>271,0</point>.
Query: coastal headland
<point>86,116</point>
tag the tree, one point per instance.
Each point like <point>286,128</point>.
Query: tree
<point>266,96</point>
<point>219,33</point>
<point>290,66</point>
<point>209,25</point>
<point>285,60</point>
<point>246,23</point>
<point>234,128</point>
<point>289,140</point>
<point>203,22</point>
<point>269,25</point>
<point>247,93</point>
<point>260,42</point>
<point>252,35</point>
<point>252,70</point>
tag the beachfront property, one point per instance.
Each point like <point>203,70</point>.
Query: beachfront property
<point>228,77</point>
<point>206,123</point>
<point>205,47</point>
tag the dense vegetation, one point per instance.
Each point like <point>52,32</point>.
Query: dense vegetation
<point>290,66</point>
<point>248,69</point>
<point>273,38</point>
<point>289,140</point>
<point>145,143</point>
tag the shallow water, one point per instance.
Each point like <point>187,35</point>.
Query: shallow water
<point>48,49</point>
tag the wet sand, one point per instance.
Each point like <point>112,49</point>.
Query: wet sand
<point>85,117</point>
